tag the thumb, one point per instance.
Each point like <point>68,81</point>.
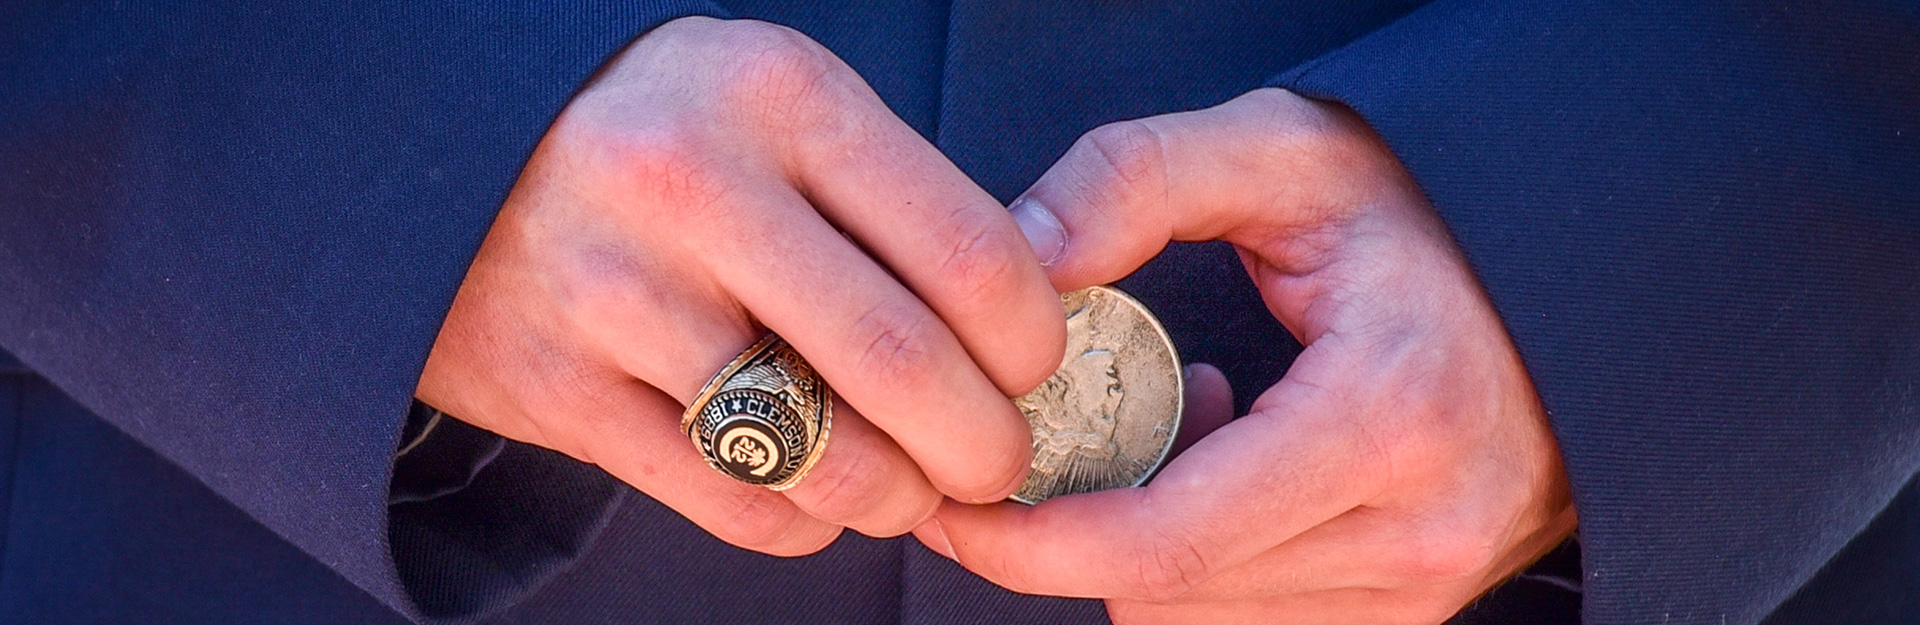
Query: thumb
<point>1248,171</point>
<point>1209,405</point>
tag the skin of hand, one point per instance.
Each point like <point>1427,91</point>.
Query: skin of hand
<point>717,180</point>
<point>1402,466</point>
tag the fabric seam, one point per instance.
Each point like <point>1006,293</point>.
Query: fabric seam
<point>946,77</point>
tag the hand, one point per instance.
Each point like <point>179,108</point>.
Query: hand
<point>1402,466</point>
<point>692,198</point>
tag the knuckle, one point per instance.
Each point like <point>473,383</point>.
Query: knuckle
<point>666,162</point>
<point>772,72</point>
<point>1165,567</point>
<point>897,351</point>
<point>1317,141</point>
<point>980,271</point>
<point>754,37</point>
<point>1126,154</point>
<point>1279,115</point>
<point>979,259</point>
<point>670,164</point>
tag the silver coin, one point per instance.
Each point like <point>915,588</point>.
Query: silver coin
<point>1107,417</point>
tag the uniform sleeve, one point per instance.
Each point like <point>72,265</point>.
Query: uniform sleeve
<point>1699,222</point>
<point>233,231</point>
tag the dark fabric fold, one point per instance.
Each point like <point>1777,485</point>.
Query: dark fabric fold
<point>232,230</point>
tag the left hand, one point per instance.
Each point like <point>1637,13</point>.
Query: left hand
<point>1402,467</point>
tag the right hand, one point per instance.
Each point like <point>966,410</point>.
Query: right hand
<point>721,179</point>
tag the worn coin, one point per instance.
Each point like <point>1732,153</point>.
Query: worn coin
<point>1107,417</point>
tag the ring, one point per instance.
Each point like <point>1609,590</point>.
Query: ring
<point>763,419</point>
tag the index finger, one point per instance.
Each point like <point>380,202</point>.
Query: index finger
<point>1253,484</point>
<point>943,236</point>
<point>879,346</point>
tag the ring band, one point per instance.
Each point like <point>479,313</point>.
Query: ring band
<point>763,419</point>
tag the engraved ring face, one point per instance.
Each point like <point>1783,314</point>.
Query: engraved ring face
<point>751,435</point>
<point>764,418</point>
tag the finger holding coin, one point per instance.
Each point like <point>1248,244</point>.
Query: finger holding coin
<point>1404,464</point>
<point>822,295</point>
<point>663,226</point>
<point>1108,417</point>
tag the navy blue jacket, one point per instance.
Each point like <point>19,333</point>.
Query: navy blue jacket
<point>228,235</point>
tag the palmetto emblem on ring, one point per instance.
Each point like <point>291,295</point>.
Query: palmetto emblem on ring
<point>748,449</point>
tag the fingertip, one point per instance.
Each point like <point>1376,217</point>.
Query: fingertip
<point>981,464</point>
<point>1080,261</point>
<point>1003,487</point>
<point>1209,405</point>
<point>1106,193</point>
<point>959,520</point>
<point>1042,228</point>
<point>1021,337</point>
<point>928,502</point>
<point>1040,349</point>
<point>934,537</point>
<point>1025,548</point>
<point>808,539</point>
<point>998,462</point>
<point>1207,389</point>
<point>1048,214</point>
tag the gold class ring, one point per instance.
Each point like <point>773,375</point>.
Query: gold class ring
<point>763,419</point>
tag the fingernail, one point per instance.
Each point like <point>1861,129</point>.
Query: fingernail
<point>937,540</point>
<point>1042,229</point>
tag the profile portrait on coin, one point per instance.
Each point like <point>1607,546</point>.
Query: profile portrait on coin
<point>1074,412</point>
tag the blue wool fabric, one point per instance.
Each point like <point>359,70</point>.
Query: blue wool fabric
<point>229,233</point>
<point>232,231</point>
